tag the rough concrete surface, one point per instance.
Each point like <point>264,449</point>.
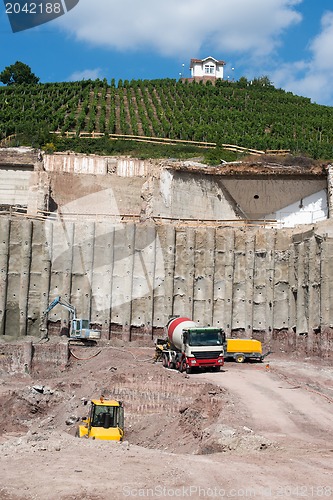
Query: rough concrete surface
<point>131,242</point>
<point>166,188</point>
<point>129,278</point>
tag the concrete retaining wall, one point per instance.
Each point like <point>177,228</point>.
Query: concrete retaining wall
<point>26,356</point>
<point>129,278</point>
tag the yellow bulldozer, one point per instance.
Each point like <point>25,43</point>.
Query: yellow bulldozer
<point>105,420</point>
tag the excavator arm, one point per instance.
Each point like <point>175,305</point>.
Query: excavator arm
<point>62,303</point>
<point>53,304</point>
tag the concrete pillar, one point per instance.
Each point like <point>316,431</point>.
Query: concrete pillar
<point>239,280</point>
<point>143,278</point>
<point>269,285</point>
<point>46,275</point>
<point>259,282</point>
<point>249,270</point>
<point>183,250</point>
<point>27,356</point>
<point>126,308</point>
<point>219,279</point>
<point>122,271</point>
<point>4,256</point>
<point>162,297</point>
<point>329,169</point>
<point>292,295</point>
<point>87,253</point>
<point>229,276</point>
<point>326,284</point>
<point>302,287</point>
<point>67,273</point>
<point>26,228</point>
<point>62,354</point>
<point>184,271</point>
<point>102,276</point>
<point>209,275</point>
<point>281,280</point>
<point>193,274</point>
<point>38,195</point>
<point>188,253</point>
<point>314,292</point>
<point>202,297</point>
<point>148,260</point>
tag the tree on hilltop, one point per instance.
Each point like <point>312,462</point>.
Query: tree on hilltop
<point>18,73</point>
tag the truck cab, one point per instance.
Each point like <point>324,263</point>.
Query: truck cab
<point>203,347</point>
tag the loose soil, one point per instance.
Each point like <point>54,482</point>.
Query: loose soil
<point>250,431</point>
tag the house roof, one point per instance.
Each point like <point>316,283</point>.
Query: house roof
<point>209,58</point>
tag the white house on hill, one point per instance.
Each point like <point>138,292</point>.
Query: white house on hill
<point>208,68</point>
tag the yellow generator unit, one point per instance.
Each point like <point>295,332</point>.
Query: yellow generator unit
<point>105,421</point>
<point>241,349</point>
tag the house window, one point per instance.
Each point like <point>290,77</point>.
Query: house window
<point>209,69</point>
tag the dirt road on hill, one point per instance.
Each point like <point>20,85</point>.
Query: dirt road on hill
<point>246,432</point>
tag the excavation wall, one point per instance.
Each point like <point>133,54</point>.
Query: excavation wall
<point>129,278</point>
<point>26,356</point>
<point>68,183</point>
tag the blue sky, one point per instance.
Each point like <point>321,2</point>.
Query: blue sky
<point>291,41</point>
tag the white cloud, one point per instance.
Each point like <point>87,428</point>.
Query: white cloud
<point>313,77</point>
<point>182,27</point>
<point>322,45</point>
<point>86,74</point>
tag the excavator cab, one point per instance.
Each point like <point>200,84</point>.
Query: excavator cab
<point>80,330</point>
<point>105,421</point>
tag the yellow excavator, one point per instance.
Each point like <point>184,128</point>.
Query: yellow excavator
<point>105,420</point>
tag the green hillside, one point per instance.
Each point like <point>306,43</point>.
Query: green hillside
<point>249,114</point>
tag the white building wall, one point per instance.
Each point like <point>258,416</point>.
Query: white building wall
<point>219,72</point>
<point>198,69</point>
<point>309,210</point>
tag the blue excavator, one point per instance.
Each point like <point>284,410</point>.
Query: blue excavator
<point>79,328</point>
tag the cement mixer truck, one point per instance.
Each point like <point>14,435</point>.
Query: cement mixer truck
<point>189,346</point>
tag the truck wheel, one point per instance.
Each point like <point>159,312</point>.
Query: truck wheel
<point>216,368</point>
<point>165,361</point>
<point>170,364</point>
<point>188,369</point>
<point>183,366</point>
<point>239,358</point>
